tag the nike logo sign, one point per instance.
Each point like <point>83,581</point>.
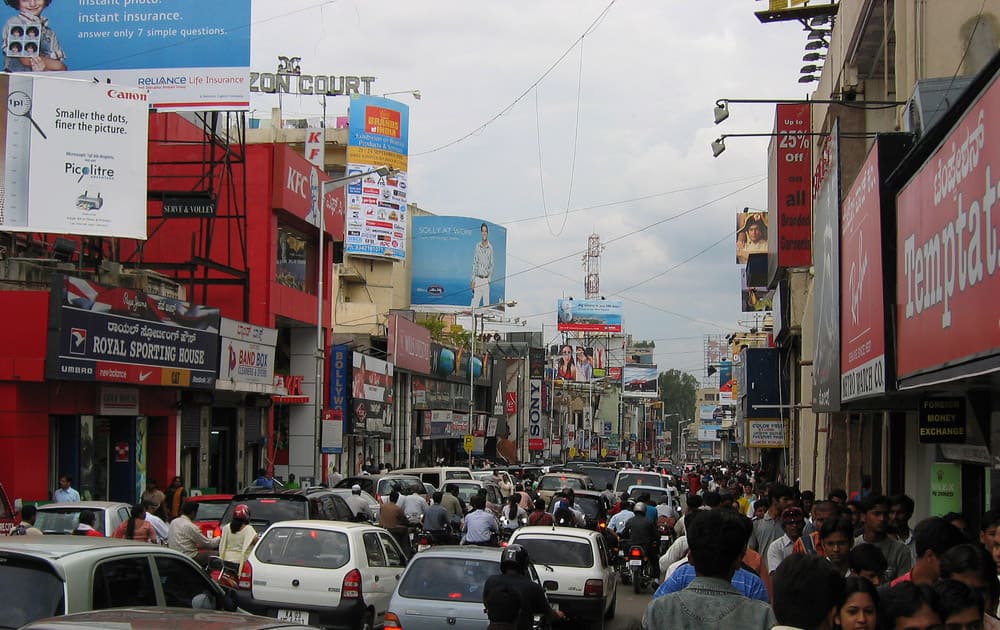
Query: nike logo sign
<point>144,375</point>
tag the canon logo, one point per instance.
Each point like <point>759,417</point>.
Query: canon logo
<point>128,96</point>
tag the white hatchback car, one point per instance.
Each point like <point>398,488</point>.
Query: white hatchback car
<point>322,573</point>
<point>575,566</point>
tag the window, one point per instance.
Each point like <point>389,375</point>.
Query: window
<point>374,551</point>
<point>123,582</point>
<point>295,260</point>
<point>31,591</point>
<point>558,552</point>
<point>392,551</point>
<point>447,579</point>
<point>295,546</point>
<point>183,585</point>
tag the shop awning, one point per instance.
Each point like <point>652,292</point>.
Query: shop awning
<point>291,400</point>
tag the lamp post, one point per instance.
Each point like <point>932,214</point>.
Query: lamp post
<point>414,93</point>
<point>383,171</point>
<point>472,356</point>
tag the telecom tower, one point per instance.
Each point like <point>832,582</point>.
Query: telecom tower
<point>592,263</point>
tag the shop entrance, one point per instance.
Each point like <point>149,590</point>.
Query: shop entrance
<point>222,450</point>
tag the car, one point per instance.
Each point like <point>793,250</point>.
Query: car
<point>655,494</point>
<point>443,587</point>
<point>492,474</point>
<point>272,506</point>
<point>591,503</point>
<point>437,475</point>
<point>211,507</point>
<point>600,475</point>
<point>575,566</point>
<point>552,483</point>
<point>373,504</point>
<point>62,518</point>
<point>468,488</point>
<point>45,576</point>
<point>430,488</point>
<point>159,618</point>
<point>381,486</point>
<point>626,478</point>
<point>322,573</point>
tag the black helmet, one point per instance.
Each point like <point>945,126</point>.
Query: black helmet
<point>514,557</point>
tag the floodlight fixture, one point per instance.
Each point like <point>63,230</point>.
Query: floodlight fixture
<point>809,69</point>
<point>817,44</point>
<point>813,56</point>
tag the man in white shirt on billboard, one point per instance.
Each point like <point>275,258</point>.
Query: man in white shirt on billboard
<point>482,269</point>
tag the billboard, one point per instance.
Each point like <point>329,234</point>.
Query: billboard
<point>118,335</point>
<point>640,380</point>
<point>371,392</point>
<point>947,271</point>
<point>186,55</point>
<point>789,196</point>
<point>581,364</point>
<point>826,287</point>
<point>726,382</point>
<point>457,262</point>
<point>590,315</point>
<point>332,433</point>
<point>409,345</point>
<point>297,189</point>
<point>378,135</point>
<point>74,158</point>
<point>754,299</point>
<point>246,362</point>
<point>751,235</point>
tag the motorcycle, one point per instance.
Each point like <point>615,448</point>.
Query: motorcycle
<point>639,568</point>
<point>225,574</point>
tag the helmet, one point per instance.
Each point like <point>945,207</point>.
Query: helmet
<point>514,557</point>
<point>640,508</point>
<point>241,512</point>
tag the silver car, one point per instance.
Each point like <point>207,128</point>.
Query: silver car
<point>160,619</point>
<point>46,576</point>
<point>62,518</point>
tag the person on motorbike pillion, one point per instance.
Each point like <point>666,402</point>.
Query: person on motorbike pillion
<point>514,577</point>
<point>642,532</point>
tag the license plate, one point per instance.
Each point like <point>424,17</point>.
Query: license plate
<point>295,616</point>
<point>635,563</point>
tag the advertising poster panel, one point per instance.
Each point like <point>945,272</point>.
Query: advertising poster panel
<point>457,262</point>
<point>754,299</point>
<point>246,362</point>
<point>118,335</point>
<point>376,206</point>
<point>371,393</point>
<point>826,236</point>
<point>726,382</point>
<point>74,158</point>
<point>332,434</point>
<point>789,193</point>
<point>590,315</point>
<point>640,380</point>
<point>581,364</point>
<point>409,345</point>
<point>862,309</point>
<point>948,251</point>
<point>751,235</point>
<point>767,433</point>
<point>189,56</point>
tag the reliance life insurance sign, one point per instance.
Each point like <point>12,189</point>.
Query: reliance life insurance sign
<point>948,248</point>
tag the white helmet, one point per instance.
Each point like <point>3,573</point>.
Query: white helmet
<point>640,508</point>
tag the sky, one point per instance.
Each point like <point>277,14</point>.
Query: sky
<point>562,118</point>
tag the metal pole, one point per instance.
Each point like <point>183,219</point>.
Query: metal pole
<point>472,375</point>
<point>317,458</point>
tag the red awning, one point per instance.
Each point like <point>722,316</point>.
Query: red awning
<point>291,400</point>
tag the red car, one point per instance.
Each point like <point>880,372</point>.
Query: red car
<point>210,509</point>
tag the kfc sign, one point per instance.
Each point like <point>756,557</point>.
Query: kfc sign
<point>948,247</point>
<point>297,186</point>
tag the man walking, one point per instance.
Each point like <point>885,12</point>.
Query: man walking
<point>793,521</point>
<point>875,521</point>
<point>768,529</point>
<point>807,591</point>
<point>185,536</point>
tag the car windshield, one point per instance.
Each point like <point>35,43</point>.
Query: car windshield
<point>31,591</point>
<point>590,506</point>
<point>386,486</point>
<point>560,552</point>
<point>600,476</point>
<point>626,479</point>
<point>448,579</point>
<point>65,520</point>
<point>557,483</point>
<point>265,511</point>
<point>466,491</point>
<point>295,546</point>
<point>211,511</point>
<point>654,495</point>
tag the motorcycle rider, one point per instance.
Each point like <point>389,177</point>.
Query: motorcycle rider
<point>358,505</point>
<point>514,575</point>
<point>437,521</point>
<point>641,531</point>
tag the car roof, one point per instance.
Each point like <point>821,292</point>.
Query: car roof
<point>566,473</point>
<point>646,487</point>
<point>55,547</point>
<point>550,531</point>
<point>322,524</point>
<point>463,551</point>
<point>285,492</point>
<point>83,505</point>
<point>157,617</point>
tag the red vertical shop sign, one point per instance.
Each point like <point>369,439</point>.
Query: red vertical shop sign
<point>788,182</point>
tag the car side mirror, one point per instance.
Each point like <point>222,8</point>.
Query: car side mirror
<point>550,585</point>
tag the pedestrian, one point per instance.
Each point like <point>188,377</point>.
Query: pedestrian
<point>539,516</point>
<point>237,539</point>
<point>335,478</point>
<point>392,518</point>
<point>792,521</point>
<point>65,493</point>
<point>811,542</point>
<point>481,527</point>
<point>153,497</point>
<point>414,505</point>
<point>959,605</point>
<point>972,565</point>
<point>934,536</point>
<point>513,514</point>
<point>900,512</point>
<point>866,489</point>
<point>869,562</point>
<point>836,537</point>
<point>359,507</point>
<point>717,540</point>
<point>451,502</point>
<point>909,606</point>
<point>264,479</point>
<point>185,536</point>
<point>838,496</point>
<point>293,483</point>
<point>85,526</point>
<point>175,496</point>
<point>27,525</point>
<point>875,510</point>
<point>860,608</point>
<point>437,521</point>
<point>807,593</point>
<point>770,528</point>
<point>157,523</point>
<point>136,527</point>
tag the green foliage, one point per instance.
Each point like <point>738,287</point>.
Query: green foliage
<point>678,391</point>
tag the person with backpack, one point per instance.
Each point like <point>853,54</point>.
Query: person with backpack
<point>27,525</point>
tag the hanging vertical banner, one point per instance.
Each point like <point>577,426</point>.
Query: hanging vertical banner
<point>332,436</point>
<point>537,426</point>
<point>789,198</point>
<point>826,313</point>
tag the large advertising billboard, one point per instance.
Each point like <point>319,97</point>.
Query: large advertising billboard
<point>371,392</point>
<point>603,316</point>
<point>789,194</point>
<point>378,135</point>
<point>187,54</point>
<point>640,380</point>
<point>74,157</point>
<point>118,335</point>
<point>581,364</point>
<point>409,345</point>
<point>457,262</point>
<point>751,235</point>
<point>754,299</point>
<point>826,315</point>
<point>947,250</point>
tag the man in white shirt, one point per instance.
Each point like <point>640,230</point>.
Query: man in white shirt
<point>185,536</point>
<point>414,505</point>
<point>793,520</point>
<point>65,493</point>
<point>155,521</point>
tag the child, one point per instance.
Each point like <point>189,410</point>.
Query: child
<point>47,53</point>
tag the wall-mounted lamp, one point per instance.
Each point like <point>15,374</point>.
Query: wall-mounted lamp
<point>813,56</point>
<point>818,34</point>
<point>809,78</point>
<point>722,104</point>
<point>719,144</point>
<point>414,93</point>
<point>809,69</point>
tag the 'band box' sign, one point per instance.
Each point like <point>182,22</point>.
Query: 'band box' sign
<point>942,420</point>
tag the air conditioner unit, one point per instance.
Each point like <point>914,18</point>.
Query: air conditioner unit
<point>930,99</point>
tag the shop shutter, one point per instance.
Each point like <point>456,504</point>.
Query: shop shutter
<point>253,424</point>
<point>191,426</point>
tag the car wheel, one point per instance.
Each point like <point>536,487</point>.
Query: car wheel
<point>610,614</point>
<point>368,622</point>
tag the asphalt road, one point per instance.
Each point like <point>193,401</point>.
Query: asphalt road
<point>630,608</point>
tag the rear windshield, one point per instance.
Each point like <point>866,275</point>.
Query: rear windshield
<point>558,552</point>
<point>294,546</point>
<point>386,486</point>
<point>467,491</point>
<point>626,479</point>
<point>65,520</point>
<point>600,476</point>
<point>30,591</point>
<point>590,506</point>
<point>654,496</point>
<point>557,483</point>
<point>211,511</point>
<point>264,511</point>
<point>447,579</point>
<point>457,474</point>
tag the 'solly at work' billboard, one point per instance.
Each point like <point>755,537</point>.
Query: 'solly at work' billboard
<point>189,54</point>
<point>458,262</point>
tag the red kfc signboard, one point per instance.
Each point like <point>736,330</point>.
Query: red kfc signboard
<point>862,308</point>
<point>948,248</point>
<point>297,186</point>
<point>789,196</point>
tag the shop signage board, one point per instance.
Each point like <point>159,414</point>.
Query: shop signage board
<point>767,433</point>
<point>946,488</point>
<point>941,420</point>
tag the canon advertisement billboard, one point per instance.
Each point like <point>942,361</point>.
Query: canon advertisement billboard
<point>948,249</point>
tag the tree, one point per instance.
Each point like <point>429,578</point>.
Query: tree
<point>679,392</point>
